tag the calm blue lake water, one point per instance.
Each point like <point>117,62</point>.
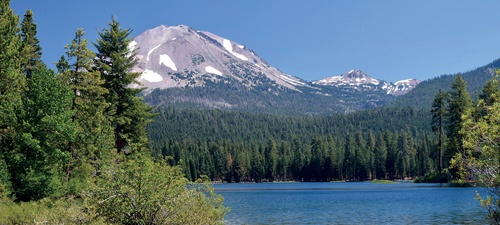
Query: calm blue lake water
<point>350,203</point>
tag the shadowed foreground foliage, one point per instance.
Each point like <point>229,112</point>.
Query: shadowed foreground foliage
<point>138,191</point>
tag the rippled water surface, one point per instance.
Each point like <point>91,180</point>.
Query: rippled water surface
<point>350,203</point>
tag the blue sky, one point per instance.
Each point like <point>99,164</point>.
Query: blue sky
<point>389,40</point>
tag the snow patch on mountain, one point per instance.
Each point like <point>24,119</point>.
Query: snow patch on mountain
<point>151,76</point>
<point>151,51</point>
<point>167,61</point>
<point>229,47</point>
<point>291,81</point>
<point>212,70</point>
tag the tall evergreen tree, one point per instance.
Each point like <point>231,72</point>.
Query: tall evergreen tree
<point>12,82</point>
<point>317,159</point>
<point>89,103</point>
<point>439,112</point>
<point>350,157</point>
<point>271,157</point>
<point>459,102</point>
<point>44,129</point>
<point>129,115</point>
<point>380,156</point>
<point>31,45</point>
<point>12,85</point>
<point>361,157</point>
<point>391,142</point>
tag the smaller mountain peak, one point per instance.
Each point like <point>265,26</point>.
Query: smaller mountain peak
<point>355,73</point>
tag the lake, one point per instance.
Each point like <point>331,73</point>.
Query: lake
<point>351,203</point>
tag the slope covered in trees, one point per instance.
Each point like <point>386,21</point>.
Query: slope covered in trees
<point>423,94</point>
<point>214,125</point>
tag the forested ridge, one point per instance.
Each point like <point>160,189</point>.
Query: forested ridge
<point>213,125</point>
<point>423,94</point>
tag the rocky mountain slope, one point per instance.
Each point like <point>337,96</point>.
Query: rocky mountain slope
<point>358,80</point>
<point>197,69</point>
<point>179,56</point>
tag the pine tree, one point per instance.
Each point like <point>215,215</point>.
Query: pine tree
<point>43,131</point>
<point>459,102</point>
<point>350,157</point>
<point>380,156</point>
<point>31,45</point>
<point>271,157</point>
<point>12,86</point>
<point>392,150</point>
<point>317,159</point>
<point>12,82</point>
<point>88,103</point>
<point>129,115</point>
<point>439,112</point>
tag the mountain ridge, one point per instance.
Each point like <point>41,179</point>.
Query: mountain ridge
<point>358,78</point>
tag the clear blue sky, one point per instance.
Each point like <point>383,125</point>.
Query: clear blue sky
<point>389,40</point>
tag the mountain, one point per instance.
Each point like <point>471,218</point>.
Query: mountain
<point>179,56</point>
<point>358,80</point>
<point>197,69</point>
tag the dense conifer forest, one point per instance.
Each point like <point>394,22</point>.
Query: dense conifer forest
<point>381,143</point>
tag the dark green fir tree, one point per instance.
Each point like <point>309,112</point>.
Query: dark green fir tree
<point>439,113</point>
<point>459,102</point>
<point>30,44</point>
<point>129,115</point>
<point>94,131</point>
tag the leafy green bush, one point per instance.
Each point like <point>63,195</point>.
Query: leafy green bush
<point>140,191</point>
<point>46,211</point>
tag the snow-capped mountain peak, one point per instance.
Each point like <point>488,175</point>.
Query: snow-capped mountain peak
<point>179,56</point>
<point>358,80</point>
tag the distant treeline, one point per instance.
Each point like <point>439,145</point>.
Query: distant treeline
<point>387,142</point>
<point>358,156</point>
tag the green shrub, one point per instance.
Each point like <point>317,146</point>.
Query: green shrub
<point>46,211</point>
<point>140,191</point>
